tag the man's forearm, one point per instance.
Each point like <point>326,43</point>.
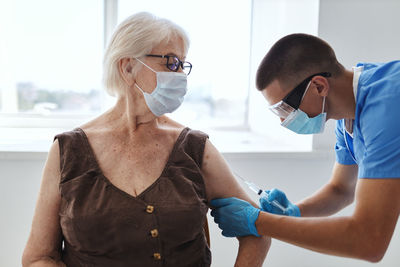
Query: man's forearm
<point>326,201</point>
<point>252,251</point>
<point>334,196</point>
<point>339,236</point>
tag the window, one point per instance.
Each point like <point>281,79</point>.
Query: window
<point>51,63</point>
<point>52,57</point>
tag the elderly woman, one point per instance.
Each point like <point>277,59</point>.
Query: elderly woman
<point>132,187</point>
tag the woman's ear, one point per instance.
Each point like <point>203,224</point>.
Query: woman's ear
<point>322,85</point>
<point>126,70</point>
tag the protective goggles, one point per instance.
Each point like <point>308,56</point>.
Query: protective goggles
<point>292,100</point>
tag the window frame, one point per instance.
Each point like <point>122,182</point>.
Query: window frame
<point>11,118</point>
<point>69,121</point>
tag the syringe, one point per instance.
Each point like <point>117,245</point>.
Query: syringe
<point>256,189</point>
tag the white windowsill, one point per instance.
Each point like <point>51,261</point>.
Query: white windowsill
<point>34,143</point>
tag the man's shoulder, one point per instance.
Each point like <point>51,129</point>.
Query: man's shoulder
<point>375,73</point>
<point>378,85</point>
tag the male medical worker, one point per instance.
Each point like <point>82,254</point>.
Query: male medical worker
<point>305,85</point>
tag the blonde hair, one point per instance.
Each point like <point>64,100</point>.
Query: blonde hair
<point>135,37</point>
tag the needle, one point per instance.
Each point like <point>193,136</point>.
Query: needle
<point>256,189</point>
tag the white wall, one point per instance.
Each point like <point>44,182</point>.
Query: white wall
<point>20,181</point>
<point>297,174</point>
<point>359,31</point>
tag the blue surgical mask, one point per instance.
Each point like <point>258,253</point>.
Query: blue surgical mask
<point>299,122</point>
<point>168,94</point>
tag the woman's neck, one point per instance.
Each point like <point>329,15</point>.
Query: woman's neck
<point>130,113</point>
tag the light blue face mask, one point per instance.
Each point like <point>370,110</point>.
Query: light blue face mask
<point>299,122</point>
<point>168,94</point>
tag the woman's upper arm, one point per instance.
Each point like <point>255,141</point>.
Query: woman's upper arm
<point>221,183</point>
<point>45,236</point>
<point>219,179</point>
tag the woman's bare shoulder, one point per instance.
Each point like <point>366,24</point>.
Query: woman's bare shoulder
<point>93,124</point>
<point>97,127</point>
<point>171,125</point>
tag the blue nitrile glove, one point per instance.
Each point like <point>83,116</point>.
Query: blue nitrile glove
<point>278,195</point>
<point>235,217</point>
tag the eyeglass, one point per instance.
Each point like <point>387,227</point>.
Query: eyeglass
<point>173,63</point>
<point>293,99</point>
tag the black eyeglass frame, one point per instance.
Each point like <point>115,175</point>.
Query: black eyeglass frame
<point>180,63</point>
<point>294,97</point>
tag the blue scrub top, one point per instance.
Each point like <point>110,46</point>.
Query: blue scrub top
<point>375,145</point>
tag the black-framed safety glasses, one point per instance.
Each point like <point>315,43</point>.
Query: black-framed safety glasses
<point>173,63</point>
<point>293,99</point>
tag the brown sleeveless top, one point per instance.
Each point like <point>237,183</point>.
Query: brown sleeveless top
<point>105,226</point>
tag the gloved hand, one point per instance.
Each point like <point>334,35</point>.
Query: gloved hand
<point>235,217</point>
<point>278,195</point>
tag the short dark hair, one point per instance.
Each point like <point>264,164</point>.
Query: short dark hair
<point>295,57</point>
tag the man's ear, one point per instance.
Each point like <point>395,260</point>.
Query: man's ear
<point>322,85</point>
<point>125,69</point>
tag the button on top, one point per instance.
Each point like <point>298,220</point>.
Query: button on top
<point>154,233</point>
<point>149,209</point>
<point>157,256</point>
